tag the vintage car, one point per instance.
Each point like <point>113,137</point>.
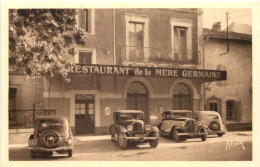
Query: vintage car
<point>212,119</point>
<point>129,128</point>
<point>51,133</point>
<point>179,124</point>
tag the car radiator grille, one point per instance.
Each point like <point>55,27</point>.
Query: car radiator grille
<point>137,127</point>
<point>191,126</point>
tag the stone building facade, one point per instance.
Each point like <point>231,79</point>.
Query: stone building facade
<point>145,59</point>
<point>232,98</point>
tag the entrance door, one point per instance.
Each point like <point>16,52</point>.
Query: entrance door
<point>137,99</point>
<point>84,114</point>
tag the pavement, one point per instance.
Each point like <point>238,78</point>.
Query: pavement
<point>86,138</point>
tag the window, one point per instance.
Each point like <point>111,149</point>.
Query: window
<point>181,41</point>
<point>80,110</point>
<point>212,117</point>
<point>213,106</point>
<point>180,44</point>
<point>85,57</point>
<point>137,37</point>
<point>136,42</point>
<point>86,20</point>
<point>230,110</point>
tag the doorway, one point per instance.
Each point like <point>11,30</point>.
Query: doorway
<point>85,114</point>
<point>137,99</point>
<point>181,97</point>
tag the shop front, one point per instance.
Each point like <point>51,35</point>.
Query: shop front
<point>93,92</point>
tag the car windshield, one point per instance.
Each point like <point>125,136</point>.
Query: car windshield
<point>127,116</point>
<point>181,114</point>
<point>57,124</point>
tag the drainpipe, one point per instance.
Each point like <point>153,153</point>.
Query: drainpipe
<point>114,33</point>
<point>227,17</point>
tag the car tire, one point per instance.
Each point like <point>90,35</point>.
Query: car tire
<point>33,154</point>
<point>176,135</point>
<point>70,153</point>
<point>204,137</point>
<point>122,142</point>
<point>50,154</point>
<point>220,134</point>
<point>214,126</point>
<point>154,143</point>
<point>159,126</point>
<point>112,137</point>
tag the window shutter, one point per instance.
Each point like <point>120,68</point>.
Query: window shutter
<point>237,111</point>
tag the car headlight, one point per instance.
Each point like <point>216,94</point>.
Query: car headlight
<point>147,127</point>
<point>70,141</point>
<point>129,127</point>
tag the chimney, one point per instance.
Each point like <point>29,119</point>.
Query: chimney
<point>216,26</point>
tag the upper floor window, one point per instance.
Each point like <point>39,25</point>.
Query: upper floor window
<point>86,20</point>
<point>85,57</point>
<point>137,38</point>
<point>230,110</point>
<point>136,34</point>
<point>181,41</point>
<point>180,44</point>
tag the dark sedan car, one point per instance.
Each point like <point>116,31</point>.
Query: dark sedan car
<point>51,133</point>
<point>129,127</point>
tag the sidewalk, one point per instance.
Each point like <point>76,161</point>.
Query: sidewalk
<point>107,137</point>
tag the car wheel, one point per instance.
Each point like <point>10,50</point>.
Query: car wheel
<point>220,134</point>
<point>154,143</point>
<point>122,140</point>
<point>159,126</point>
<point>176,135</point>
<point>70,153</point>
<point>214,125</point>
<point>204,137</point>
<point>112,137</point>
<point>50,154</point>
<point>33,154</point>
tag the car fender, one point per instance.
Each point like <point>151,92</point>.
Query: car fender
<point>178,128</point>
<point>153,129</point>
<point>31,136</point>
<point>121,129</point>
<point>203,127</point>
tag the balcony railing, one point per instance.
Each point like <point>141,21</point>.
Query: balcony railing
<point>158,55</point>
<point>19,119</point>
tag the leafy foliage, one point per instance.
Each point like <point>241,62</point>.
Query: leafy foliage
<point>39,39</point>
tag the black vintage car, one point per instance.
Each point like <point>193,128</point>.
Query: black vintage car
<point>129,127</point>
<point>51,133</point>
<point>180,124</point>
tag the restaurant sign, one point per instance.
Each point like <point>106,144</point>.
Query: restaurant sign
<point>148,71</point>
